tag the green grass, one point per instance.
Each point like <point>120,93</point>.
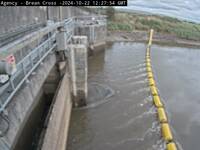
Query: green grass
<point>119,26</point>
<point>131,21</point>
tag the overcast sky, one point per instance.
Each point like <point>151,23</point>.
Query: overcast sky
<point>182,9</point>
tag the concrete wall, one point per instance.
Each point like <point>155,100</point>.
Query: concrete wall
<point>57,129</point>
<point>23,103</point>
<point>26,99</point>
<point>96,35</point>
<point>79,73</point>
<point>14,17</point>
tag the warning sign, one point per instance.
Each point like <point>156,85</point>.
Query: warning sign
<point>10,59</point>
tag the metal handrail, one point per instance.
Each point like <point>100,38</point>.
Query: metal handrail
<point>26,66</point>
<point>22,42</point>
<point>31,61</point>
<point>19,29</point>
<point>94,20</point>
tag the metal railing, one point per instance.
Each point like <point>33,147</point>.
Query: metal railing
<point>69,28</point>
<point>8,37</point>
<point>32,60</point>
<point>24,69</point>
<point>26,40</point>
<point>90,20</point>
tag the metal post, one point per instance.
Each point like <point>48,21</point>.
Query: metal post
<point>60,13</point>
<point>31,61</point>
<point>79,69</point>
<point>47,13</point>
<point>24,69</point>
<point>12,84</point>
<point>93,37</point>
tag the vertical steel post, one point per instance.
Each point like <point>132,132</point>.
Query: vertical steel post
<point>60,13</point>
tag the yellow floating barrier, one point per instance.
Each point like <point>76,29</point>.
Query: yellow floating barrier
<point>162,115</point>
<point>151,82</point>
<point>153,90</point>
<point>165,129</point>
<point>149,69</point>
<point>150,37</point>
<point>166,132</point>
<point>157,101</point>
<point>148,60</point>
<point>148,54</point>
<point>171,146</point>
<point>150,75</point>
<point>147,57</point>
<point>148,64</point>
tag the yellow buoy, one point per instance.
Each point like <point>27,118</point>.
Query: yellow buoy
<point>149,69</point>
<point>151,82</point>
<point>147,56</point>
<point>148,60</point>
<point>166,132</point>
<point>171,146</point>
<point>150,75</point>
<point>150,37</point>
<point>148,64</point>
<point>153,90</point>
<point>157,101</point>
<point>162,115</point>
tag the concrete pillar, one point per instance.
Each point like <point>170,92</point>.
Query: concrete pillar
<point>79,70</point>
<point>80,40</point>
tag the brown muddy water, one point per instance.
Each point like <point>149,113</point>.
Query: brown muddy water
<point>120,114</point>
<point>177,72</point>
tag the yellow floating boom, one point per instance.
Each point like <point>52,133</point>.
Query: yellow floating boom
<point>166,132</point>
<point>171,146</point>
<point>162,116</point>
<point>157,101</point>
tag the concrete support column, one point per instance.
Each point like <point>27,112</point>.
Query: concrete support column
<point>79,70</point>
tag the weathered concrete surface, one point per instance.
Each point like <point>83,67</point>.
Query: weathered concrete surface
<point>23,103</point>
<point>57,129</point>
<point>96,35</point>
<point>52,81</point>
<point>14,17</point>
<point>79,70</point>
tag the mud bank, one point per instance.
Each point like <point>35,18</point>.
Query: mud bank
<point>142,36</point>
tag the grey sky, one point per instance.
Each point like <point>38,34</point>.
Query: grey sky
<point>182,9</point>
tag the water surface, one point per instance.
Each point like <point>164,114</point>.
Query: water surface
<point>177,72</point>
<point>125,120</point>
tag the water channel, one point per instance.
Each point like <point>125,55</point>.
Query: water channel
<point>120,114</point>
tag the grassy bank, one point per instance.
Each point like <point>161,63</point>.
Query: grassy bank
<point>123,21</point>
